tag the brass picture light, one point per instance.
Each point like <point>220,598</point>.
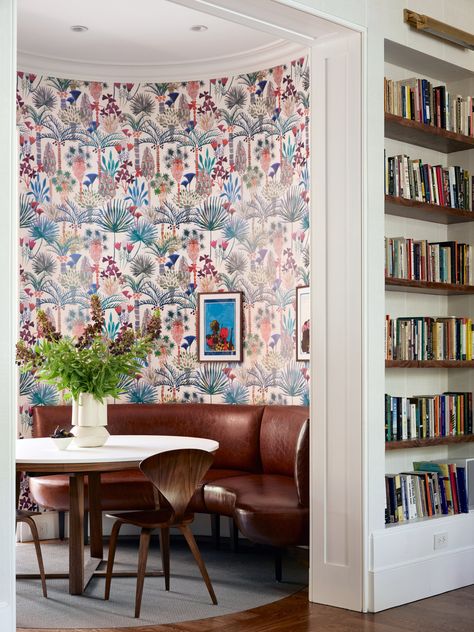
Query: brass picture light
<point>439,29</point>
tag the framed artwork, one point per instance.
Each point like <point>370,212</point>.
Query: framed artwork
<point>302,323</point>
<point>220,319</point>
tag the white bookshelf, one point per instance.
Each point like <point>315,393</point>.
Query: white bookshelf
<point>406,562</point>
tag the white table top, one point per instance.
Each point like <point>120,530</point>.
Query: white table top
<point>119,448</point>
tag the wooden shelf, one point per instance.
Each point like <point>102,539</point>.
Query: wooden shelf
<point>401,207</point>
<point>429,364</point>
<point>426,287</point>
<point>425,443</point>
<point>459,516</point>
<point>399,128</point>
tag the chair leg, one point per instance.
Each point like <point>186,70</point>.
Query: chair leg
<point>216,530</point>
<point>142,558</point>
<point>186,531</point>
<point>111,557</point>
<point>39,556</point>
<point>61,521</point>
<point>165,554</point>
<point>278,564</point>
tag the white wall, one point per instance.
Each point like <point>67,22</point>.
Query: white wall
<point>457,13</point>
<point>8,243</point>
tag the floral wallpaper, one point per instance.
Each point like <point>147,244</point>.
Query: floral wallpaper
<point>148,194</point>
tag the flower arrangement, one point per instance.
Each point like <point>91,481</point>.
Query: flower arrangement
<point>91,363</point>
<point>219,339</point>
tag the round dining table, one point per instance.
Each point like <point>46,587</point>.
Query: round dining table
<point>39,457</point>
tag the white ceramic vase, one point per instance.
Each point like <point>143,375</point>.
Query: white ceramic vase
<point>89,418</point>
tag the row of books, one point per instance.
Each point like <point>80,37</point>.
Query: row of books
<point>419,100</point>
<point>431,489</point>
<point>424,416</point>
<point>425,338</point>
<point>434,184</point>
<point>420,260</point>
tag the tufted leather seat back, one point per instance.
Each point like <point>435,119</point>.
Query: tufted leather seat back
<point>236,428</point>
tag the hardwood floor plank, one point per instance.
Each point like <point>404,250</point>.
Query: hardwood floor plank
<point>449,612</point>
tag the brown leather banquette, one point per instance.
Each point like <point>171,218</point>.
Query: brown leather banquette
<point>260,474</point>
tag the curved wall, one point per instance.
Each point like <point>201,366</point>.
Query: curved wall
<point>150,193</point>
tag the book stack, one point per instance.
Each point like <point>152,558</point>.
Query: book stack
<point>420,260</point>
<point>433,184</point>
<point>419,100</point>
<point>423,338</point>
<point>425,416</point>
<point>431,489</point>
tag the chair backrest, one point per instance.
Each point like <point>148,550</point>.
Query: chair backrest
<point>176,474</point>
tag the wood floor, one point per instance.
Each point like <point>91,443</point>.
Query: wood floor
<point>449,612</point>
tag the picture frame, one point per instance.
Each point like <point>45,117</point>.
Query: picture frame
<point>303,314</point>
<point>220,326</point>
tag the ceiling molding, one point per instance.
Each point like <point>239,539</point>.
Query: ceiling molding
<point>258,16</point>
<point>220,66</point>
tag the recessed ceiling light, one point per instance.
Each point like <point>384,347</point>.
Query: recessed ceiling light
<point>78,28</point>
<point>199,28</point>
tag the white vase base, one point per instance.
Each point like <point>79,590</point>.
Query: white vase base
<point>89,436</point>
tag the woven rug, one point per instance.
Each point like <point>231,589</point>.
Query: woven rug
<point>241,580</point>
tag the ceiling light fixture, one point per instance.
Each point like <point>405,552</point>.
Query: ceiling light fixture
<point>199,28</point>
<point>439,29</point>
<point>78,28</point>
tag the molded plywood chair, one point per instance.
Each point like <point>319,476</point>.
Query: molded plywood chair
<point>25,516</point>
<point>175,475</point>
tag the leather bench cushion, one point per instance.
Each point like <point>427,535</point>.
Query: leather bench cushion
<point>236,428</point>
<point>265,507</point>
<point>121,491</point>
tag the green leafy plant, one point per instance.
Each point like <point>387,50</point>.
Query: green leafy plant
<point>92,363</point>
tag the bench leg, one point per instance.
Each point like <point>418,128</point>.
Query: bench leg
<point>278,564</point>
<point>86,527</point>
<point>234,536</point>
<point>62,525</point>
<point>61,521</point>
<point>216,530</point>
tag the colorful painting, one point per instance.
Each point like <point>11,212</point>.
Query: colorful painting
<point>303,321</point>
<point>220,327</point>
<point>150,194</point>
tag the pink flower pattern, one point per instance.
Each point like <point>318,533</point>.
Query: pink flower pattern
<point>150,193</point>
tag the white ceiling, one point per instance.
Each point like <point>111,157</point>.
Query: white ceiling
<point>135,38</point>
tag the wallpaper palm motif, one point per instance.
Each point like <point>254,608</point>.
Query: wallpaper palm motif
<point>150,193</point>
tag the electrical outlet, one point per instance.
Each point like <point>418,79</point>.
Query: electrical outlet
<point>440,540</point>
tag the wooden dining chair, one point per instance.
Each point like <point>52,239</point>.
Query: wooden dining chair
<point>175,474</point>
<point>25,516</point>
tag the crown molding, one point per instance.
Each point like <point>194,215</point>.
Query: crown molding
<point>278,52</point>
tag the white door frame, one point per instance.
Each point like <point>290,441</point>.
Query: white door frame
<point>339,557</point>
<point>9,311</point>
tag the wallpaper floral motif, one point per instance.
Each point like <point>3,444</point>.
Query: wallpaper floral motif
<point>150,193</point>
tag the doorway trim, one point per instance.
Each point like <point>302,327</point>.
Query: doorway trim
<point>8,315</point>
<point>339,536</point>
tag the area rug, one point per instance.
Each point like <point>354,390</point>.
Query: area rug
<point>241,580</point>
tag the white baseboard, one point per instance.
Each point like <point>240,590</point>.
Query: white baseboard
<point>46,523</point>
<point>411,581</point>
<point>408,563</point>
<point>48,527</point>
